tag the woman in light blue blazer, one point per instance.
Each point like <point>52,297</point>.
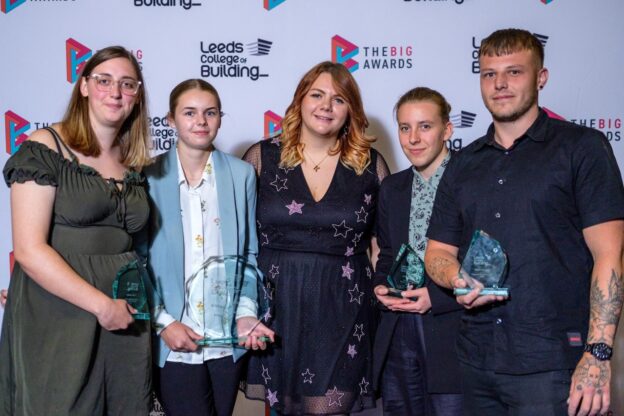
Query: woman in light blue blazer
<point>202,248</point>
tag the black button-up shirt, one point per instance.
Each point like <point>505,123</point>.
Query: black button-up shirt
<point>535,198</point>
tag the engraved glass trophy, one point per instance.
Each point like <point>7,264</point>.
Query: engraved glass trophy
<point>407,272</point>
<point>209,302</point>
<point>484,266</point>
<point>129,285</point>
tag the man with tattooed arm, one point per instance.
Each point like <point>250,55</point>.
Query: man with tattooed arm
<point>551,193</point>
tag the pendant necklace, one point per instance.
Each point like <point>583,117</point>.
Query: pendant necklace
<point>317,166</point>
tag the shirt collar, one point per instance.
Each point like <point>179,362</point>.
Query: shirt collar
<point>207,174</point>
<point>537,132</point>
<point>437,175</point>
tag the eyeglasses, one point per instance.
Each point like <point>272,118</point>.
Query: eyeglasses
<point>104,83</point>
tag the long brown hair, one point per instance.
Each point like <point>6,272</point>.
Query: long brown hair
<point>354,146</point>
<point>133,136</point>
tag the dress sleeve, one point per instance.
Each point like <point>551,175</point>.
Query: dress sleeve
<point>253,156</point>
<point>381,168</point>
<point>33,161</point>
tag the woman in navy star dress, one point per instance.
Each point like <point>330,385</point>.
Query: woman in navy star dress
<point>318,183</point>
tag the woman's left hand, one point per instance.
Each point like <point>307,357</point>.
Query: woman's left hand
<point>3,297</point>
<point>250,333</point>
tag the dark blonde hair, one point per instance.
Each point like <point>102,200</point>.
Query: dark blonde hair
<point>353,144</point>
<point>133,136</point>
<point>425,94</point>
<point>191,84</point>
<point>507,41</point>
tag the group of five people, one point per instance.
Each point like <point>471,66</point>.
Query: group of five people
<point>289,254</point>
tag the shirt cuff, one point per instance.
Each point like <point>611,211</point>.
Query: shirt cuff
<point>162,321</point>
<point>246,307</point>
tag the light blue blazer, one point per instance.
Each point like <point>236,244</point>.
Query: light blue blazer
<point>164,246</point>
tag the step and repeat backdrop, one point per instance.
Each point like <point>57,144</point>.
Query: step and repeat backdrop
<point>255,51</point>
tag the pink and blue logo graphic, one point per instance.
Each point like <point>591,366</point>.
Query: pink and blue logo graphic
<point>343,52</point>
<point>8,5</point>
<point>272,124</point>
<point>271,4</point>
<point>552,114</point>
<point>546,1</point>
<point>15,128</point>
<point>11,262</point>
<point>76,55</point>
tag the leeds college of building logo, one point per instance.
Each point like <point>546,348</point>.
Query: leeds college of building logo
<point>463,120</point>
<point>76,55</point>
<point>15,128</point>
<point>229,60</point>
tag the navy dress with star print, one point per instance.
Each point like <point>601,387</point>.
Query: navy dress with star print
<point>318,283</point>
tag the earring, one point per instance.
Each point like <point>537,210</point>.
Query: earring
<point>345,131</point>
<point>541,87</point>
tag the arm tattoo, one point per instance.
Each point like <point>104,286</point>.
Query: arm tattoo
<point>436,268</point>
<point>605,308</point>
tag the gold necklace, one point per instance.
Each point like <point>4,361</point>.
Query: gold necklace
<point>317,166</point>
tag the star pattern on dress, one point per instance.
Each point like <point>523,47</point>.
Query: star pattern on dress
<point>359,331</point>
<point>275,140</point>
<point>268,292</point>
<point>356,295</point>
<point>334,397</point>
<point>341,229</point>
<point>364,386</point>
<point>362,215</point>
<point>357,238</point>
<point>307,376</point>
<point>274,271</point>
<point>265,239</point>
<point>272,397</point>
<point>349,251</point>
<point>351,351</point>
<point>265,374</point>
<point>347,271</point>
<point>294,208</point>
<point>267,315</point>
<point>279,183</point>
<point>368,199</point>
<point>369,274</point>
<point>286,169</point>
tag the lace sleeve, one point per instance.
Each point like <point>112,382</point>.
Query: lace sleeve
<point>382,168</point>
<point>253,156</point>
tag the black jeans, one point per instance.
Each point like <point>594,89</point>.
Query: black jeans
<point>207,389</point>
<point>488,393</point>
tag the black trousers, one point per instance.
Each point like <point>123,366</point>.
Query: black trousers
<point>403,381</point>
<point>207,389</point>
<point>487,393</point>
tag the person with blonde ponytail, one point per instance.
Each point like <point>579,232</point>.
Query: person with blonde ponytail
<point>317,191</point>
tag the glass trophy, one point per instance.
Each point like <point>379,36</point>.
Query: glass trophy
<point>209,303</point>
<point>484,266</point>
<point>129,285</point>
<point>407,272</point>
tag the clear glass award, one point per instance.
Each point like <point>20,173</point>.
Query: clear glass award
<point>484,266</point>
<point>129,285</point>
<point>209,302</point>
<point>406,273</point>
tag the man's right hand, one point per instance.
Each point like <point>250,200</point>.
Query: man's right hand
<point>472,299</point>
<point>180,337</point>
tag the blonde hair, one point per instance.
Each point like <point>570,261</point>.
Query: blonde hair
<point>425,94</point>
<point>133,136</point>
<point>507,41</point>
<point>353,144</point>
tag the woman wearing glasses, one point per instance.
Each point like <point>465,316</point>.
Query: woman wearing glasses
<point>202,257</point>
<point>67,347</point>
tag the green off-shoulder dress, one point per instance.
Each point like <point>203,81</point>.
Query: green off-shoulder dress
<point>55,359</point>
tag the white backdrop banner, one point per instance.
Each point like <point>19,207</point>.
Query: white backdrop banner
<point>255,51</point>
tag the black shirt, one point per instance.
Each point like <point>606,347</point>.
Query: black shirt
<point>535,198</point>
